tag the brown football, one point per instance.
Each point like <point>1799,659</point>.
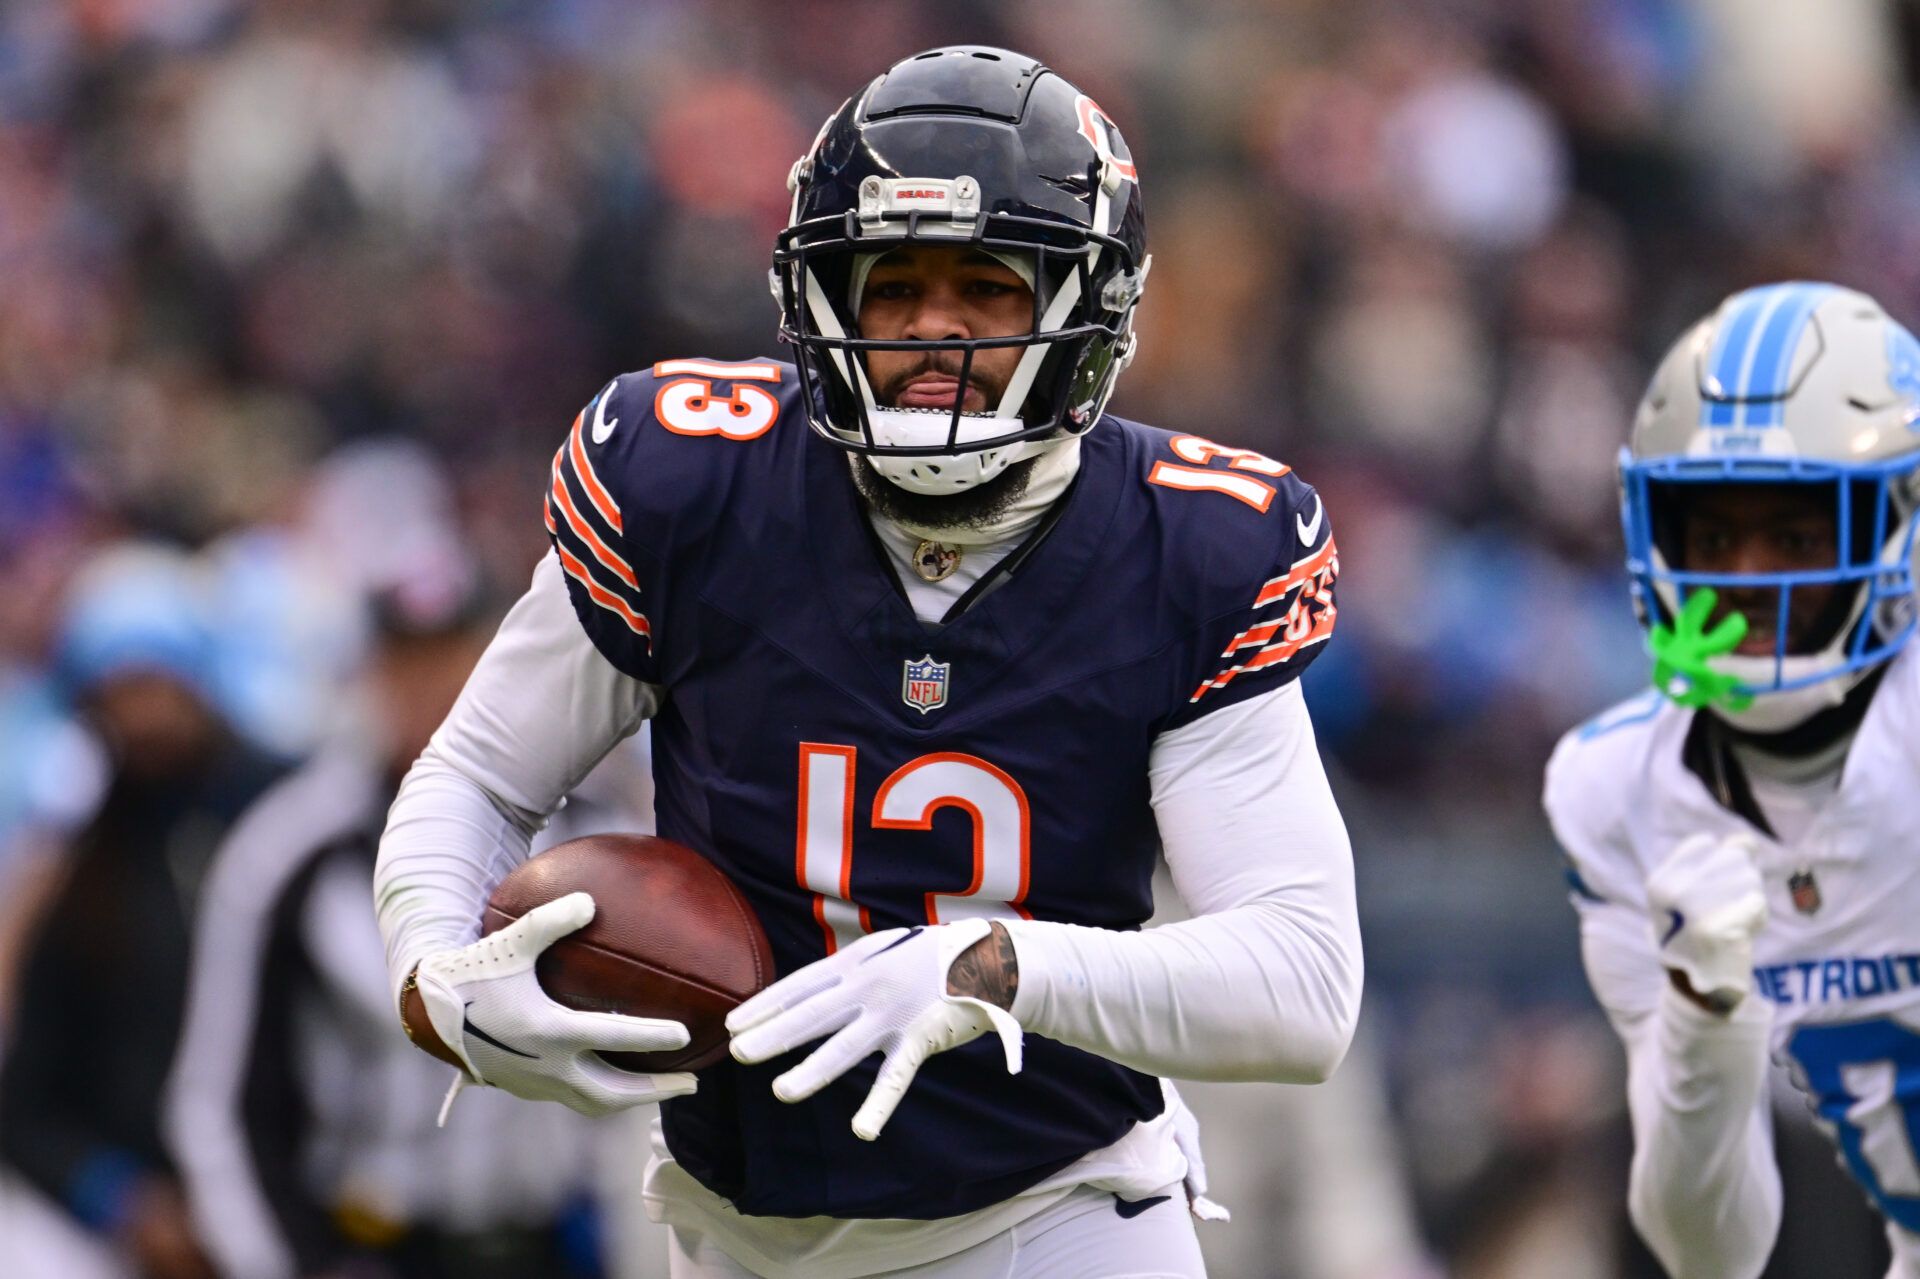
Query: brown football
<point>670,937</point>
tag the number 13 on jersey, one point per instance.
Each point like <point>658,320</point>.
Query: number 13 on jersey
<point>907,800</point>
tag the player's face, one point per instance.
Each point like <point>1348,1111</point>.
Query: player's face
<point>933,293</point>
<point>1763,529</point>
<point>154,725</point>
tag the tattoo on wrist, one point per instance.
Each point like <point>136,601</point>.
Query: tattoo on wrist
<point>988,970</point>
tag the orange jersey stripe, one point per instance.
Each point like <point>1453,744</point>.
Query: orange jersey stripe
<point>1252,638</point>
<point>1322,627</point>
<point>1218,681</point>
<point>602,500</point>
<point>603,597</point>
<point>547,506</point>
<point>1272,654</point>
<point>584,531</point>
<point>1294,576</point>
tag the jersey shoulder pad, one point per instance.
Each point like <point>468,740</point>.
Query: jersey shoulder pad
<point>1248,562</point>
<point>1891,720</point>
<point>1594,776</point>
<point>647,470</point>
<point>656,446</point>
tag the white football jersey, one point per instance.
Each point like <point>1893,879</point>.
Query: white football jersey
<point>1838,963</point>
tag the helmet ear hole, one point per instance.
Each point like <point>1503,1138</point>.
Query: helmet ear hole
<point>1869,525</point>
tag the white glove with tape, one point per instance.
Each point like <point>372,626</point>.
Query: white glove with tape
<point>487,1005</point>
<point>885,993</point>
<point>1708,903</point>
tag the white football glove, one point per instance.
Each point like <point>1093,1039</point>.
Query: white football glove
<point>1186,1138</point>
<point>1707,904</point>
<point>885,993</point>
<point>487,1005</point>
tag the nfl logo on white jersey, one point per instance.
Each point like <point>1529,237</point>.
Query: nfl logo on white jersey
<point>923,686</point>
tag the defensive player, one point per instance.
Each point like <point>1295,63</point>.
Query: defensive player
<point>937,656</point>
<point>1744,837</point>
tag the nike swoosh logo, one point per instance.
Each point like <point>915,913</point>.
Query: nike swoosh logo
<point>1673,929</point>
<point>601,427</point>
<point>1134,1207</point>
<point>1310,531</point>
<point>898,941</point>
<point>467,1027</point>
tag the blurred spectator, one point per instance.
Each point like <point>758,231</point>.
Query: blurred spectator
<point>1571,381</point>
<point>303,1123</point>
<point>376,520</point>
<point>1401,368</point>
<point>101,992</point>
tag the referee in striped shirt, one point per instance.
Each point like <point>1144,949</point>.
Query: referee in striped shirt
<point>302,1124</point>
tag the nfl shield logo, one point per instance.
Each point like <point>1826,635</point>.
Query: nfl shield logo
<point>924,684</point>
<point>1805,891</point>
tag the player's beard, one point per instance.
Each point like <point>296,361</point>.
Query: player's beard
<point>975,509</point>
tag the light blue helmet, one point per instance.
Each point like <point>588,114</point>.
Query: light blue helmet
<point>136,607</point>
<point>1794,383</point>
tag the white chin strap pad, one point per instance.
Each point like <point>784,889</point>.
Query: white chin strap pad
<point>1774,712</point>
<point>944,473</point>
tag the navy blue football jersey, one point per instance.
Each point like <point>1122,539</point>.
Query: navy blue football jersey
<point>853,769</point>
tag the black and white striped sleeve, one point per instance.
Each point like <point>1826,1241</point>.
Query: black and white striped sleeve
<point>255,1216</point>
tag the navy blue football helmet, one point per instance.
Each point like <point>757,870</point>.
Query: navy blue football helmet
<point>977,146</point>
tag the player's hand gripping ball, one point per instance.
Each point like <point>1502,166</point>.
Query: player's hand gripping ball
<point>603,980</point>
<point>487,1007</point>
<point>670,938</point>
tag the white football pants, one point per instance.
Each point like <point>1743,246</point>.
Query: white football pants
<point>1081,1237</point>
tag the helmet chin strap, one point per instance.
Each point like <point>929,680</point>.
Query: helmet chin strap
<point>1059,463</point>
<point>1777,711</point>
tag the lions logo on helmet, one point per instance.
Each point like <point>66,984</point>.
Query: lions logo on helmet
<point>1794,384</point>
<point>983,147</point>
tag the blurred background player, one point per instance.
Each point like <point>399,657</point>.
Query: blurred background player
<point>304,1133</point>
<point>100,997</point>
<point>1742,837</point>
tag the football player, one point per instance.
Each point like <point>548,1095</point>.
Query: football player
<point>937,657</point>
<point>1743,837</point>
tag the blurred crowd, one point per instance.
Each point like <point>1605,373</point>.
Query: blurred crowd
<point>297,296</point>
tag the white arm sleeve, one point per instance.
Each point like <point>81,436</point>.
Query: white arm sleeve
<point>1264,982</point>
<point>1704,1191</point>
<point>541,708</point>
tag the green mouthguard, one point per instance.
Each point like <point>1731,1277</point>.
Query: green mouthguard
<point>1681,654</point>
